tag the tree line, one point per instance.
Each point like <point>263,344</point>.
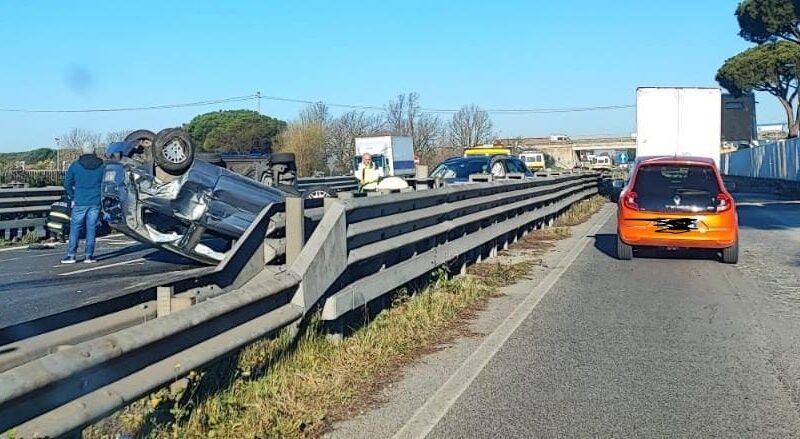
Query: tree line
<point>773,64</point>
<point>320,141</point>
<point>325,143</point>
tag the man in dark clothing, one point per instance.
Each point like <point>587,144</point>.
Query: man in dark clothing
<point>82,186</point>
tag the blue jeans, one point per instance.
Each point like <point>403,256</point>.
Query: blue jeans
<point>82,216</point>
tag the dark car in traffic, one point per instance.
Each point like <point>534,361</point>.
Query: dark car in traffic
<point>458,169</point>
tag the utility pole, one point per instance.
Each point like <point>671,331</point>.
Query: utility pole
<point>58,155</point>
<point>258,98</point>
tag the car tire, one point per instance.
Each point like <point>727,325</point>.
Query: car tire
<point>282,157</point>
<point>730,255</point>
<point>145,139</point>
<point>318,192</point>
<point>173,150</point>
<point>624,251</point>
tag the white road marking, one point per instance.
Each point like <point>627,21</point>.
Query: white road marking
<point>102,267</point>
<point>13,248</point>
<point>437,406</point>
<point>121,242</point>
<point>32,256</point>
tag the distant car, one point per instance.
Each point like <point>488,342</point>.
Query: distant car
<point>533,160</point>
<point>677,202</point>
<point>458,169</point>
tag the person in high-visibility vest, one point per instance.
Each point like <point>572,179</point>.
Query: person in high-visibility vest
<point>368,174</point>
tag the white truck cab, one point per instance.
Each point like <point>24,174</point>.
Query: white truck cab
<point>393,155</point>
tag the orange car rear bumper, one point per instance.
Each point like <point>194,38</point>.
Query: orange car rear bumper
<point>715,231</point>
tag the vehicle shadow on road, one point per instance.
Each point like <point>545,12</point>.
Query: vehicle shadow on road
<point>607,243</point>
<point>119,252</point>
<point>169,258</point>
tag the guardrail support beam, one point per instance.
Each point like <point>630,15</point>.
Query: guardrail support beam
<point>295,228</point>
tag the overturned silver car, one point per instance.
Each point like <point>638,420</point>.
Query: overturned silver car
<point>190,207</point>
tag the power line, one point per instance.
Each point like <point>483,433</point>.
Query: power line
<point>153,107</point>
<point>441,110</point>
<point>258,96</point>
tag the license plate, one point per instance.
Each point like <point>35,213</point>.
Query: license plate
<point>676,224</point>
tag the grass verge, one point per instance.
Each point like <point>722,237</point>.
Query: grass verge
<point>278,388</point>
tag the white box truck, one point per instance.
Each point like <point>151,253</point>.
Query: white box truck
<point>679,121</point>
<point>394,155</point>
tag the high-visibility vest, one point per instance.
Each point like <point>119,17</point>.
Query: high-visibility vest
<point>368,174</point>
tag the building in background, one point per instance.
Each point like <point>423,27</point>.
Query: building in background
<point>773,131</point>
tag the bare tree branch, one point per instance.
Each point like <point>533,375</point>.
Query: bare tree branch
<point>404,118</point>
<point>470,126</point>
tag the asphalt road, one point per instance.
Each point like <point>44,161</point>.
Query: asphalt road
<point>665,345</point>
<point>661,346</point>
<point>34,284</point>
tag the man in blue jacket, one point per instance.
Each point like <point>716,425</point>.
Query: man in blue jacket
<point>82,185</point>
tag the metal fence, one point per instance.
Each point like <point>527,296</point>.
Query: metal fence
<point>778,160</point>
<point>361,249</point>
<point>32,177</point>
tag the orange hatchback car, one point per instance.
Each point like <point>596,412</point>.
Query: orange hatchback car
<point>677,202</point>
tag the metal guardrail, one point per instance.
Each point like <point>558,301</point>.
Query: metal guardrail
<point>336,183</point>
<point>360,250</point>
<point>24,209</point>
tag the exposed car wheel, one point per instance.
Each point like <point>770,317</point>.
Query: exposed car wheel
<point>624,251</point>
<point>730,255</point>
<point>318,192</point>
<point>173,150</point>
<point>282,157</point>
<point>145,139</point>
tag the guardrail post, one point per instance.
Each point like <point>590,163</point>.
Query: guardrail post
<point>167,303</point>
<point>164,301</point>
<point>295,228</point>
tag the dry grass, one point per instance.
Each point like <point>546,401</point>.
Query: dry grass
<point>581,211</point>
<point>277,388</point>
<point>274,394</point>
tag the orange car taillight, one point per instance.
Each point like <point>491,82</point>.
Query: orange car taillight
<point>629,201</point>
<point>724,202</point>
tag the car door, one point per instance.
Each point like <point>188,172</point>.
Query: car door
<point>516,166</point>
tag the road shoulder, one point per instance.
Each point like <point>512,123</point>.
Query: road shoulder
<point>421,383</point>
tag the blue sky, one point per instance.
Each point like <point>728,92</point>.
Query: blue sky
<point>496,54</point>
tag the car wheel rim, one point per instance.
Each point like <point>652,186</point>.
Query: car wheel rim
<point>174,151</point>
<point>318,194</point>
